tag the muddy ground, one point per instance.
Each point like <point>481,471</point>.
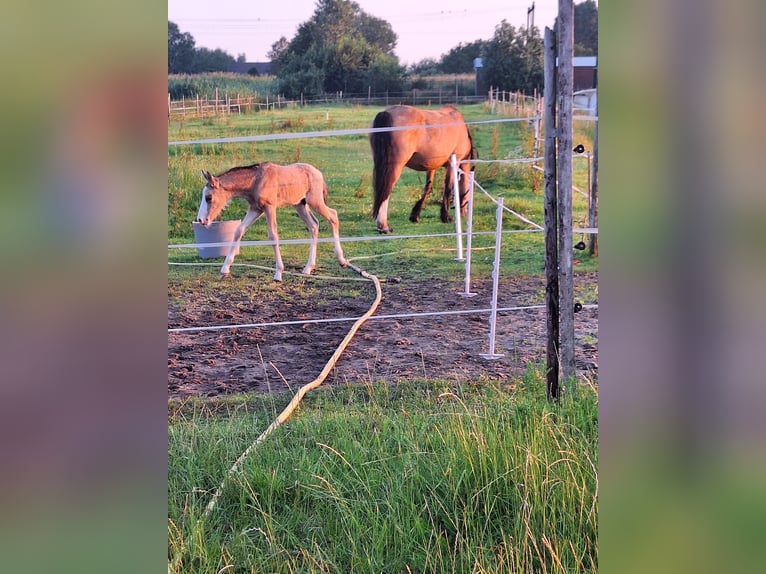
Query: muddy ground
<point>284,357</point>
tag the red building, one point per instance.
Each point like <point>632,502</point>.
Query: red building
<point>585,73</point>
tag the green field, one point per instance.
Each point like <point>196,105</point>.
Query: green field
<point>346,163</point>
<point>421,476</point>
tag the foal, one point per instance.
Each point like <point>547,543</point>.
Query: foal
<point>266,187</point>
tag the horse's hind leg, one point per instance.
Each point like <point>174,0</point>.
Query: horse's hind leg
<point>313,228</point>
<point>247,221</point>
<point>418,207</point>
<point>271,227</point>
<point>384,193</point>
<point>332,218</point>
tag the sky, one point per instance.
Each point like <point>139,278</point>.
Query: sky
<point>425,28</point>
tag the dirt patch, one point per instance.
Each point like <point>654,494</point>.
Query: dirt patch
<point>284,357</point>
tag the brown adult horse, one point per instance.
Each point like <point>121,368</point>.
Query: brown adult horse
<point>426,148</point>
<point>265,187</point>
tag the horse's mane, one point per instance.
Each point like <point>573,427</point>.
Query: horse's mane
<point>241,168</point>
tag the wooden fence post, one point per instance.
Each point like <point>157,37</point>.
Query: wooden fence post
<point>565,44</point>
<point>551,219</point>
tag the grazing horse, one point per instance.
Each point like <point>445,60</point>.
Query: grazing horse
<point>265,187</point>
<point>426,148</point>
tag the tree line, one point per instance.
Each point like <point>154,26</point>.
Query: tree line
<point>342,48</point>
<point>185,58</point>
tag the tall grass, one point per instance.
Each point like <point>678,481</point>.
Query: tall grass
<point>191,85</point>
<point>420,477</point>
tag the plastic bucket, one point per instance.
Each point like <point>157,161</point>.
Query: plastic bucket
<point>217,232</point>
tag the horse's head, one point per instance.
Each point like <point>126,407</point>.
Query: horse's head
<point>214,199</point>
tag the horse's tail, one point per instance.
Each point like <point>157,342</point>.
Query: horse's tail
<point>474,151</point>
<point>381,144</point>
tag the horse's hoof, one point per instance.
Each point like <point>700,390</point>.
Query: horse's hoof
<point>414,219</point>
<point>343,263</point>
<point>385,231</point>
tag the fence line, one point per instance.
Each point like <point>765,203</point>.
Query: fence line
<point>457,234</point>
<point>500,101</point>
<point>372,318</point>
<point>204,106</point>
<point>268,242</point>
<point>334,133</point>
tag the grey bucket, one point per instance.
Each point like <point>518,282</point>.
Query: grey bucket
<point>217,232</point>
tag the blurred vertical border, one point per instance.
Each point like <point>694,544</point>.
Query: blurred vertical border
<point>682,334</point>
<point>83,406</point>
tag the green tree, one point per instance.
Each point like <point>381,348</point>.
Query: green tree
<point>513,59</point>
<point>206,60</point>
<point>180,50</point>
<point>385,74</point>
<point>334,51</point>
<point>425,67</point>
<point>459,60</point>
<point>275,55</point>
<point>377,32</point>
<point>586,28</point>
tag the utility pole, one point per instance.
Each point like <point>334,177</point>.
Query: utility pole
<point>530,18</point>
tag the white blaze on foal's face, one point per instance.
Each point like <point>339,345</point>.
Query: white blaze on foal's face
<point>214,199</point>
<point>203,207</point>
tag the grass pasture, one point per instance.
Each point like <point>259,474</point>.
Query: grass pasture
<point>425,475</point>
<point>420,477</point>
<point>346,162</point>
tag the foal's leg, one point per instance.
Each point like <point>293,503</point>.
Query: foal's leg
<point>313,227</point>
<point>418,207</point>
<point>271,228</point>
<point>250,218</point>
<point>331,216</point>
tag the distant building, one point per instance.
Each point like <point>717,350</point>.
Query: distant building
<point>263,68</point>
<point>585,73</point>
<point>586,101</point>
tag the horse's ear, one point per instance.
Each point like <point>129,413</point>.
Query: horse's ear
<point>206,175</point>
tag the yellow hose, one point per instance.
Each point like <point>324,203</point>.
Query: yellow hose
<point>288,410</point>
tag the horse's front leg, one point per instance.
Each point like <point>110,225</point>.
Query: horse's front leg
<point>445,214</point>
<point>271,227</point>
<point>250,218</point>
<point>465,188</point>
<point>418,207</point>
